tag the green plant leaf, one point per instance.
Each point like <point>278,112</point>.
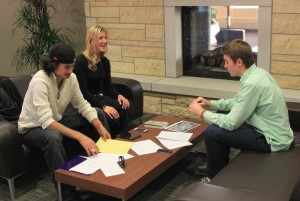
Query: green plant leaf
<point>34,19</point>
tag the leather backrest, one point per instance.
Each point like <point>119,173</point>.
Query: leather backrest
<point>133,91</point>
<point>21,82</point>
<point>295,196</point>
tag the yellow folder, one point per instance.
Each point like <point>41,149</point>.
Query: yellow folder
<point>113,146</point>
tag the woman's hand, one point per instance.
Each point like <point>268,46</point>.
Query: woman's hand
<point>123,101</point>
<point>111,112</point>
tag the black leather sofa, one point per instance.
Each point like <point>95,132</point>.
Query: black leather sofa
<point>255,176</point>
<point>16,158</point>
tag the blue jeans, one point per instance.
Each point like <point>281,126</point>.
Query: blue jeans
<point>57,148</point>
<point>218,142</point>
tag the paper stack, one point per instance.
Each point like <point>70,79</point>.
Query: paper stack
<point>156,124</point>
<point>173,140</point>
<point>105,161</point>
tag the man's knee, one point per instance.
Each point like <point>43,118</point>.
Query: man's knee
<point>211,132</point>
<point>53,137</point>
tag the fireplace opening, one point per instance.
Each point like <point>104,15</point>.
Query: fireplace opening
<point>206,28</point>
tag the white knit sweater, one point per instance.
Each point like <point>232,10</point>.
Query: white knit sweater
<point>45,103</point>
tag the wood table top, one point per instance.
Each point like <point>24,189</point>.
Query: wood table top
<point>139,170</point>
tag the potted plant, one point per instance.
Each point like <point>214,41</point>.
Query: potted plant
<point>34,19</point>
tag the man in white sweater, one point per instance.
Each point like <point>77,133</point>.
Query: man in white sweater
<point>42,124</point>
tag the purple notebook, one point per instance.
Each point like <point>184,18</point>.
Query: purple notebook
<point>71,163</point>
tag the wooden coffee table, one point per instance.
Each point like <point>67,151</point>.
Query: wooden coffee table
<point>140,170</point>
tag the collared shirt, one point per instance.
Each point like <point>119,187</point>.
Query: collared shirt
<point>44,103</point>
<point>259,102</point>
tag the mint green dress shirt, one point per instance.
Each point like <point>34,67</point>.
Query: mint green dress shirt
<point>259,102</point>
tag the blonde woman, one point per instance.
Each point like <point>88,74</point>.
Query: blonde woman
<point>93,72</point>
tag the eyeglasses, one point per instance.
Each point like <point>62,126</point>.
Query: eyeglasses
<point>121,162</point>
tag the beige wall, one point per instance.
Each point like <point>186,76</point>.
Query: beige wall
<point>71,15</point>
<point>8,45</point>
<point>239,18</point>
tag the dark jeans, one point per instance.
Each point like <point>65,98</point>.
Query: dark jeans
<point>219,141</point>
<point>58,149</point>
<point>116,125</point>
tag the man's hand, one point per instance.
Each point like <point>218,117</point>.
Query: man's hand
<point>123,101</point>
<point>88,144</point>
<point>202,101</point>
<point>103,132</point>
<point>196,108</point>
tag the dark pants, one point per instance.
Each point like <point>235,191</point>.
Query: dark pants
<point>116,125</point>
<point>58,149</point>
<point>219,141</point>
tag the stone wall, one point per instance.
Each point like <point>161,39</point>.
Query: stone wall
<point>136,34</point>
<point>167,104</point>
<point>136,45</point>
<point>285,48</point>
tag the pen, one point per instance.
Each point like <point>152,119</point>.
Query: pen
<point>121,162</point>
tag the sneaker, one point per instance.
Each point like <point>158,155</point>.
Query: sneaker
<point>205,180</point>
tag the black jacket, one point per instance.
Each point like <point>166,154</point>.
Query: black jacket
<point>10,101</point>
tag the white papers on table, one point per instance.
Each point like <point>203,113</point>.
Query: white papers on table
<point>87,167</point>
<point>173,140</point>
<point>108,163</point>
<point>110,166</point>
<point>145,147</point>
<point>110,157</point>
<point>177,136</point>
<point>112,169</point>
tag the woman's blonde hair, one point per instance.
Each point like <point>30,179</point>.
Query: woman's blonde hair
<point>92,36</point>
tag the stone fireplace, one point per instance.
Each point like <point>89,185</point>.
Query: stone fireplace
<point>204,32</point>
<point>182,21</point>
<point>146,45</point>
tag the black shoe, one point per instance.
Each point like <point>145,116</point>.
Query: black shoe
<point>69,193</point>
<point>72,197</point>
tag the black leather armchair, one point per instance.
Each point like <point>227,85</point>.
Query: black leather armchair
<point>16,158</point>
<point>132,90</point>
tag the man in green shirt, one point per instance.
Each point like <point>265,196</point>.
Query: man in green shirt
<point>255,119</point>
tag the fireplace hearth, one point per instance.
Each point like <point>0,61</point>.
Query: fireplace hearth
<point>201,58</point>
<point>257,29</point>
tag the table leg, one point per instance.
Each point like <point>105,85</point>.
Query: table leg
<point>59,191</point>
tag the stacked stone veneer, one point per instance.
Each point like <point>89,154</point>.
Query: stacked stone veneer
<point>136,33</point>
<point>137,45</point>
<point>285,57</point>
